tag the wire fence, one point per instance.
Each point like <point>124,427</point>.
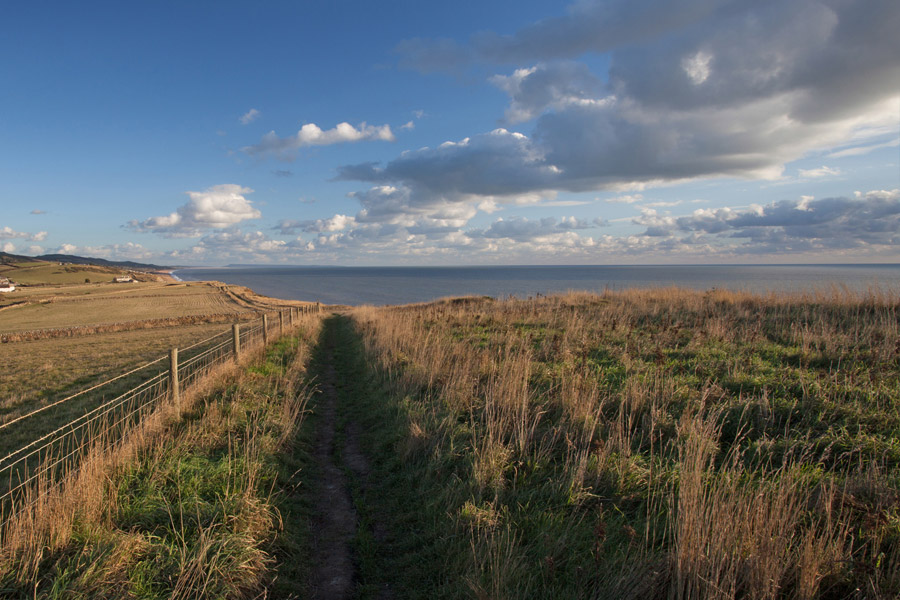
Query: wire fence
<point>104,418</point>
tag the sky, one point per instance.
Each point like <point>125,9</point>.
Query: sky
<point>464,133</point>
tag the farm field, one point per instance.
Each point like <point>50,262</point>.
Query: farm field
<point>55,307</point>
<point>40,370</point>
<point>59,339</point>
<point>44,273</point>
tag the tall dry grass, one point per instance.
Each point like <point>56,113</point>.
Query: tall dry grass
<point>233,420</point>
<point>723,435</point>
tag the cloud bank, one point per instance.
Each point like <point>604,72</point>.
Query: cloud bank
<point>217,207</point>
<point>694,89</point>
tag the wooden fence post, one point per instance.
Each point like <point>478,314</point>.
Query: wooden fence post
<point>265,330</point>
<point>280,322</point>
<point>173,379</point>
<point>292,316</point>
<point>236,340</point>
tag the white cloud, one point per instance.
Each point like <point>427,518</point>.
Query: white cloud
<point>313,135</point>
<point>8,233</point>
<point>127,251</point>
<point>860,150</point>
<point>249,116</point>
<point>335,223</point>
<point>694,90</point>
<point>868,223</point>
<point>696,67</point>
<point>822,171</point>
<point>626,199</point>
<point>8,247</point>
<point>38,211</point>
<point>217,207</point>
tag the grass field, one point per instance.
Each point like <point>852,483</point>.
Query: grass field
<point>185,508</point>
<point>109,329</point>
<point>642,444</point>
<point>109,303</point>
<point>44,273</point>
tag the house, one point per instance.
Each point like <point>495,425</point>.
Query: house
<point>6,285</point>
<point>124,279</point>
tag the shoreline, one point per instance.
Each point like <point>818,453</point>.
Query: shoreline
<point>166,275</point>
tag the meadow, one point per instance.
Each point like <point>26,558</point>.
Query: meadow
<point>660,444</point>
<point>638,444</point>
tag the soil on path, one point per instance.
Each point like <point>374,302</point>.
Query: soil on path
<point>334,573</point>
<point>340,464</point>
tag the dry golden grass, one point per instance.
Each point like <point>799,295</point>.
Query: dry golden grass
<point>42,369</point>
<point>682,444</point>
<point>108,305</point>
<point>181,507</point>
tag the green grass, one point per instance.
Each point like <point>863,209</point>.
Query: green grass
<point>541,448</point>
<point>193,513</point>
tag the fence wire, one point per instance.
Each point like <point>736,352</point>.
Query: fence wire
<point>29,473</point>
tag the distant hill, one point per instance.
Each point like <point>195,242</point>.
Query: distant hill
<point>6,258</point>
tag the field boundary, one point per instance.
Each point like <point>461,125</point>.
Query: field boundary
<point>83,330</point>
<point>36,469</point>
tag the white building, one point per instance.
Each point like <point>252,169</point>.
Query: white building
<point>6,285</point>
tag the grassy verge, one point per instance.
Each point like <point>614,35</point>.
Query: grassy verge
<point>186,510</point>
<point>644,444</point>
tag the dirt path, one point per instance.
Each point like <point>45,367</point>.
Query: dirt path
<point>334,574</point>
<point>341,464</point>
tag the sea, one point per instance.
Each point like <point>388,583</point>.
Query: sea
<point>403,285</point>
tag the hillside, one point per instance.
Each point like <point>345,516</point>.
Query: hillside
<point>17,260</point>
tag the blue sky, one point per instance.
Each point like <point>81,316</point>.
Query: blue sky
<point>361,133</point>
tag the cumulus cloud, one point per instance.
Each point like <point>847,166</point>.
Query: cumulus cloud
<point>867,222</point>
<point>8,247</point>
<point>520,228</point>
<point>38,211</point>
<point>335,223</point>
<point>534,90</point>
<point>217,207</point>
<point>249,116</point>
<point>8,233</point>
<point>501,162</point>
<point>695,89</point>
<point>313,135</point>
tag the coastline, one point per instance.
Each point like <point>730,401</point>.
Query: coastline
<point>166,275</point>
<point>380,286</point>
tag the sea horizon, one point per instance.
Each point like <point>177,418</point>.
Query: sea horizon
<point>407,284</point>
